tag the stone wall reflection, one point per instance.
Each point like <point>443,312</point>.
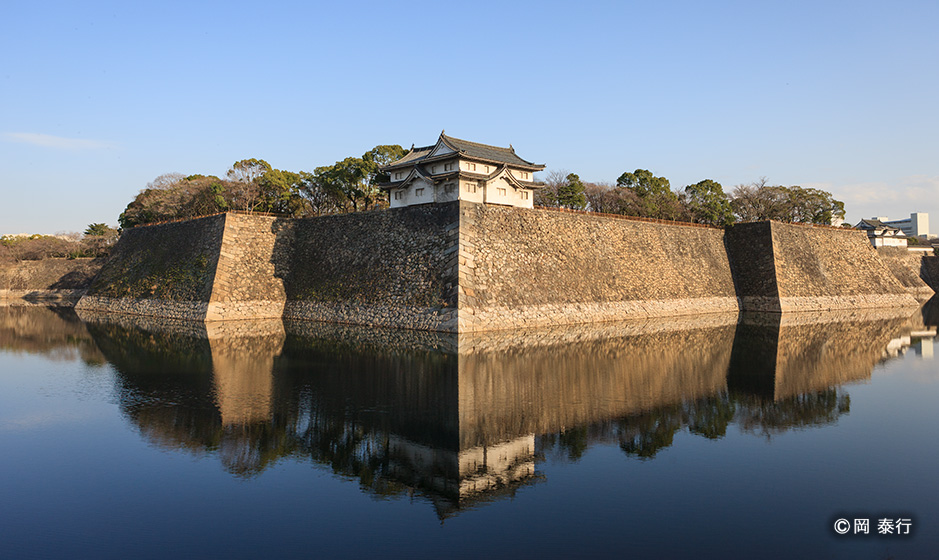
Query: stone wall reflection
<point>539,388</point>
<point>55,332</point>
<point>465,419</point>
<point>777,356</point>
<point>203,387</point>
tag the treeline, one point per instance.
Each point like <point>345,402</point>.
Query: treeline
<point>640,193</point>
<point>351,185</point>
<point>253,185</point>
<point>95,242</point>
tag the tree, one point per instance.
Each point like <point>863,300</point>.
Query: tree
<point>248,170</point>
<point>609,199</point>
<point>814,206</point>
<point>174,196</point>
<point>348,177</point>
<point>548,194</point>
<point>378,157</point>
<point>98,229</point>
<point>356,179</point>
<point>756,201</point>
<point>570,194</point>
<point>656,199</point>
<point>708,204</point>
<point>319,193</point>
<point>760,201</point>
<point>246,190</point>
<point>279,192</point>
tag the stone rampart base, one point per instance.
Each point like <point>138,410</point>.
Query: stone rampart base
<point>429,318</point>
<point>239,310</point>
<point>824,303</point>
<point>827,303</point>
<point>497,318</point>
<point>186,310</point>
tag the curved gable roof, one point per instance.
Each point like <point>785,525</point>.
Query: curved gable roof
<point>466,149</point>
<point>485,152</point>
<point>506,175</point>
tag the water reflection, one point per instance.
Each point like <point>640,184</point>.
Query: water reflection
<point>55,332</point>
<point>464,419</point>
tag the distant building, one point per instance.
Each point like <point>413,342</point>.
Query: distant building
<point>881,234</point>
<point>454,169</point>
<point>917,225</point>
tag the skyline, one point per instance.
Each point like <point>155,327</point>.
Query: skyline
<point>102,98</point>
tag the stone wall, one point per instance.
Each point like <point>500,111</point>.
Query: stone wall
<point>229,266</point>
<point>930,272</point>
<point>909,268</point>
<point>48,278</point>
<point>531,268</point>
<point>812,268</point>
<point>393,268</point>
<point>254,259</point>
<point>464,267</point>
<point>165,270</point>
<point>750,251</point>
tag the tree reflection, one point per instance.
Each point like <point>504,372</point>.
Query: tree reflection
<point>647,434</point>
<point>808,410</point>
<point>710,417</point>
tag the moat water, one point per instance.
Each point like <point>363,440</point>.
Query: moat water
<point>707,437</point>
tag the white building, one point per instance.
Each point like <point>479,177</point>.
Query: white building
<point>917,225</point>
<point>882,235</point>
<point>454,169</point>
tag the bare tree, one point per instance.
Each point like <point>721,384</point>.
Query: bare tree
<point>548,195</point>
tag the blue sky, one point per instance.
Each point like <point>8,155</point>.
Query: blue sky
<point>99,98</point>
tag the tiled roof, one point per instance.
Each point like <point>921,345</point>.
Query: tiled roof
<point>870,224</point>
<point>468,150</point>
<point>486,152</point>
<point>878,229</point>
<point>414,154</point>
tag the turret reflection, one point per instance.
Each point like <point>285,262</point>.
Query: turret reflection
<point>465,419</point>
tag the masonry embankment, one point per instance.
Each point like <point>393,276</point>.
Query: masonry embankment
<point>533,268</point>
<point>792,267</point>
<point>909,269</point>
<point>165,270</point>
<point>48,278</point>
<point>392,268</point>
<point>465,267</point>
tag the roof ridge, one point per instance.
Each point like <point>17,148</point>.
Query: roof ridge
<point>480,144</point>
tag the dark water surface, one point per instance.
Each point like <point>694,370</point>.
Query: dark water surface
<point>706,437</point>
